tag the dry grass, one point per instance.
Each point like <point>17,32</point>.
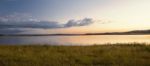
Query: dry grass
<point>98,55</point>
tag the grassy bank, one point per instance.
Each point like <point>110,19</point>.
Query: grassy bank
<point>102,55</point>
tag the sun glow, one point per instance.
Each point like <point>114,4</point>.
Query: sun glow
<point>125,15</point>
<point>120,15</point>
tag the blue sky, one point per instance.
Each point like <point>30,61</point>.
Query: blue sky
<point>51,9</point>
<point>80,16</point>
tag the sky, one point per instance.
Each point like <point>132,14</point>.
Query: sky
<point>73,16</point>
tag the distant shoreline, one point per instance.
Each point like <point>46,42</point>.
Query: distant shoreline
<point>68,34</point>
<point>136,32</point>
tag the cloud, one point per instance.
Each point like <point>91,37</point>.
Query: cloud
<point>12,31</point>
<point>83,22</point>
<point>17,17</point>
<point>30,24</point>
<point>26,21</point>
<point>6,23</point>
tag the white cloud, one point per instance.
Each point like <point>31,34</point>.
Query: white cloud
<point>26,21</point>
<point>83,22</point>
<point>17,23</point>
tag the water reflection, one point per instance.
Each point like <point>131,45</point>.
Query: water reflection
<point>75,40</point>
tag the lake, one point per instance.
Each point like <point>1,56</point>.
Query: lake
<point>74,40</point>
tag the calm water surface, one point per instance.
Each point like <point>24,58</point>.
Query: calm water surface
<point>75,40</point>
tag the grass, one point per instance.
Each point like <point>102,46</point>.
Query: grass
<point>97,55</point>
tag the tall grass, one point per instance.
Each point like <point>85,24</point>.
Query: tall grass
<point>97,55</point>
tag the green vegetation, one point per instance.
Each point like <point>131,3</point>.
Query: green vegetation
<point>97,55</point>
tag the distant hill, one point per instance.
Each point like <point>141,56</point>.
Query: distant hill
<point>135,32</point>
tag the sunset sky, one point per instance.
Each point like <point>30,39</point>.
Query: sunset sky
<point>73,16</point>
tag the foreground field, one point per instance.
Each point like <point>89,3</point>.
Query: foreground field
<point>98,55</point>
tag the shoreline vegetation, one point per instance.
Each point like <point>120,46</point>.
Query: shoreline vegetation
<point>129,54</point>
<point>135,32</point>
